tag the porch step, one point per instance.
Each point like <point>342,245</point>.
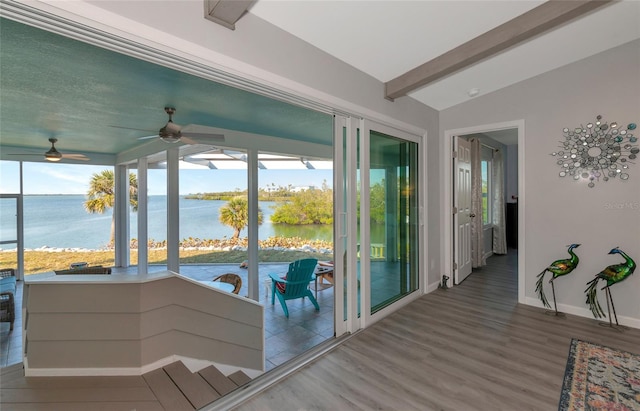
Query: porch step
<point>222,384</point>
<point>177,388</point>
<point>192,385</point>
<point>167,393</point>
<point>240,378</point>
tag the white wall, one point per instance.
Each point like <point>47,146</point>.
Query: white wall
<point>559,211</point>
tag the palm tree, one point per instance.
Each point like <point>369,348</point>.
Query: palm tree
<point>101,195</point>
<point>235,214</point>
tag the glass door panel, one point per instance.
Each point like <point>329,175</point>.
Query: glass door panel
<point>9,231</point>
<point>8,217</point>
<point>393,219</point>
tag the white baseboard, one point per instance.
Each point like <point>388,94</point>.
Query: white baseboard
<point>583,312</point>
<point>78,372</point>
<point>432,287</point>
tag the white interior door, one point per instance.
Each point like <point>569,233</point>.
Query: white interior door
<point>462,204</point>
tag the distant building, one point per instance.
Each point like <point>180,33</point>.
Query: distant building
<point>302,188</point>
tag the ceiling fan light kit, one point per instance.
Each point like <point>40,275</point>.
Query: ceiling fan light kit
<point>170,133</point>
<point>53,154</point>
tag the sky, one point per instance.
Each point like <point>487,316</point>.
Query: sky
<point>49,178</point>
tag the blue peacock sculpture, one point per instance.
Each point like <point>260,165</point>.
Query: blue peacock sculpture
<point>557,268</point>
<point>613,274</point>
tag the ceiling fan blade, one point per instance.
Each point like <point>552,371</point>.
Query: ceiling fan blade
<point>131,128</point>
<point>201,138</point>
<point>149,137</point>
<point>80,157</point>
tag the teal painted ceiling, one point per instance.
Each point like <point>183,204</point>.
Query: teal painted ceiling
<point>53,86</point>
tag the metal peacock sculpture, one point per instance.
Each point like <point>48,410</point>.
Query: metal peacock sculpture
<point>557,268</point>
<point>613,274</point>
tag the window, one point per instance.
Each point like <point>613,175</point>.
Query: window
<point>486,190</point>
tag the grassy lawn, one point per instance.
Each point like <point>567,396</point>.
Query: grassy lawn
<point>42,261</point>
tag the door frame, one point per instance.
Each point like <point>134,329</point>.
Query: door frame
<point>446,225</point>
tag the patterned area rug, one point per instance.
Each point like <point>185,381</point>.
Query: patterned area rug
<point>600,378</point>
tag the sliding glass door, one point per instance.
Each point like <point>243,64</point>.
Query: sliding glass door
<point>379,228</point>
<point>393,219</point>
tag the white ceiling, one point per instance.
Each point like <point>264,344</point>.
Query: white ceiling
<point>385,39</point>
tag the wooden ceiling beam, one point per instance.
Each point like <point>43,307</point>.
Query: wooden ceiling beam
<point>517,30</point>
<point>226,12</point>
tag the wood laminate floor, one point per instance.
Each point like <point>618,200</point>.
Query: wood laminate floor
<point>467,348</point>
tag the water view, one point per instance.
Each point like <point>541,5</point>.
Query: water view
<point>60,221</point>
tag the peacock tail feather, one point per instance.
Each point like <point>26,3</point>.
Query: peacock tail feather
<point>592,298</point>
<point>540,289</point>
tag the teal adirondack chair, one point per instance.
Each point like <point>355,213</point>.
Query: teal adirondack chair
<point>295,284</point>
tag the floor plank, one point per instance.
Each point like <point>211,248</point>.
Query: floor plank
<point>85,406</point>
<point>97,394</point>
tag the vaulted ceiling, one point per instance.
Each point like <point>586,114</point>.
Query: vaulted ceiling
<point>387,39</point>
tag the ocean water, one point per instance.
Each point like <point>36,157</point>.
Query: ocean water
<point>60,221</point>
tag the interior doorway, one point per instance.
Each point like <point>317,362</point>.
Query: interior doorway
<point>499,150</point>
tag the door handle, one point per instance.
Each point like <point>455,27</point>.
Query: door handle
<point>472,215</point>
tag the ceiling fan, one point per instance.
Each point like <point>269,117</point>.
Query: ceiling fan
<point>54,155</point>
<point>172,132</point>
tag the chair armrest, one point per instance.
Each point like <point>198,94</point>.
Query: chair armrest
<point>277,279</point>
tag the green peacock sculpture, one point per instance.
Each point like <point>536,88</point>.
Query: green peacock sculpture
<point>557,268</point>
<point>613,274</point>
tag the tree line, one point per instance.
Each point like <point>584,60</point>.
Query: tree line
<point>310,206</point>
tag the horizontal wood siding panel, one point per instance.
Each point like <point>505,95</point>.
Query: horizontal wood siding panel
<point>84,354</point>
<point>187,320</point>
<point>83,326</point>
<point>180,291</point>
<point>195,346</point>
<point>92,298</point>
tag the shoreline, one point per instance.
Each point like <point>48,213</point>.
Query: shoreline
<point>191,244</point>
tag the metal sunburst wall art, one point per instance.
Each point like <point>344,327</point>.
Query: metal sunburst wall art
<point>597,151</point>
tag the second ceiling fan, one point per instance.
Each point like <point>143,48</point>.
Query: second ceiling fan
<point>172,132</point>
